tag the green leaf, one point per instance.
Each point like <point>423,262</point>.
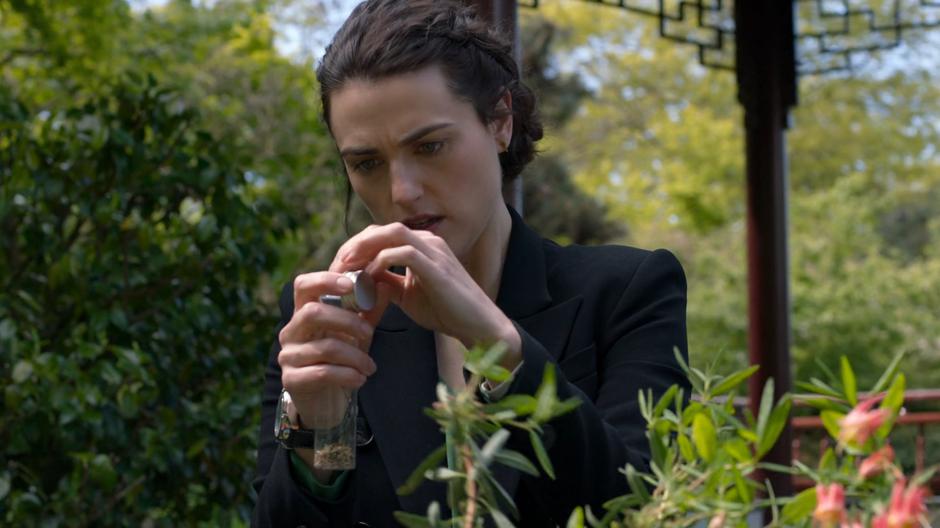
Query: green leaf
<point>830,420</point>
<point>766,405</point>
<point>818,386</point>
<point>704,437</point>
<point>658,450</point>
<point>102,472</point>
<point>541,454</point>
<point>411,520</point>
<point>744,489</point>
<point>685,448</point>
<point>4,485</point>
<point>546,395</point>
<point>733,380</point>
<point>738,449</point>
<point>888,375</point>
<point>576,519</point>
<point>848,381</point>
<point>492,446</point>
<point>778,420</point>
<point>443,474</point>
<point>827,462</point>
<point>636,483</point>
<point>522,404</point>
<point>496,373</point>
<point>665,400</point>
<point>22,371</point>
<point>800,508</point>
<point>417,476</point>
<point>892,402</point>
<point>500,519</point>
<point>516,460</point>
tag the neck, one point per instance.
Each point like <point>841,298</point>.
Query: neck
<point>485,264</point>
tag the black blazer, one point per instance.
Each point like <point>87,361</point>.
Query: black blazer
<point>607,316</point>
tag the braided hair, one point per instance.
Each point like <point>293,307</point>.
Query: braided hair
<point>382,38</point>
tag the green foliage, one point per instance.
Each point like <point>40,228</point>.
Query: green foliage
<point>128,325</point>
<point>659,141</point>
<point>479,435</point>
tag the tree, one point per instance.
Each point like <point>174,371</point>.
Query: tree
<point>659,141</point>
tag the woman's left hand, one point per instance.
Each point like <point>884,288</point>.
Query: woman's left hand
<point>436,291</point>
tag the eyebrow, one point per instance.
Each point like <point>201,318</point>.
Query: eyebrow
<point>410,137</point>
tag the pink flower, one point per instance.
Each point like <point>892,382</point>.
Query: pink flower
<point>830,504</point>
<point>905,509</point>
<point>877,462</point>
<point>861,422</point>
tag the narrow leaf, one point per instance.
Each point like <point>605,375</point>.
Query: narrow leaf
<point>778,420</point>
<point>766,405</point>
<point>685,448</point>
<point>892,402</point>
<point>545,396</point>
<point>576,520</point>
<point>848,381</point>
<point>830,420</point>
<point>636,484</point>
<point>888,375</point>
<point>414,480</point>
<point>516,460</point>
<point>665,400</point>
<point>738,449</point>
<point>800,508</point>
<point>541,454</point>
<point>704,437</point>
<point>733,380</point>
<point>492,446</point>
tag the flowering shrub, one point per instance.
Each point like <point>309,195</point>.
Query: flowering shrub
<point>706,455</point>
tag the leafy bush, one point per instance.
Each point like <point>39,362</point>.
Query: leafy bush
<point>129,333</point>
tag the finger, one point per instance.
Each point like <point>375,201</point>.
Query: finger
<point>409,256</point>
<point>361,249</point>
<point>330,351</point>
<point>311,379</point>
<point>315,320</point>
<point>310,286</point>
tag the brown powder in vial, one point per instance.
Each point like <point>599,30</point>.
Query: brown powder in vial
<point>333,457</point>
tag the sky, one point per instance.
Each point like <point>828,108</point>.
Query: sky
<point>302,41</point>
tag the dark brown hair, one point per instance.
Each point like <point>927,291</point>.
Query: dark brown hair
<point>387,37</point>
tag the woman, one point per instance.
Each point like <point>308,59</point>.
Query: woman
<point>429,116</point>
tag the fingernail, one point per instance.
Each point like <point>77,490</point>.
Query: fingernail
<point>344,284</point>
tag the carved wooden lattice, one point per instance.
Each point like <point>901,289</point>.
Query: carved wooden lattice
<point>830,34</point>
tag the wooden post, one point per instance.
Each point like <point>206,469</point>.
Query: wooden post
<point>766,74</point>
<point>504,14</point>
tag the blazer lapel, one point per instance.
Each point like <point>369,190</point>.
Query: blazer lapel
<point>525,298</point>
<point>394,399</point>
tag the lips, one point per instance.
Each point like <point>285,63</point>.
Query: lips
<point>422,222</point>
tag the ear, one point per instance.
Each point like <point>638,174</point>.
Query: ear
<point>501,127</point>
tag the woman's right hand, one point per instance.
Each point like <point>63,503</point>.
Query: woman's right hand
<point>324,348</point>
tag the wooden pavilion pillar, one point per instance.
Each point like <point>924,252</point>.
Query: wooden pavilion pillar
<point>766,74</point>
<point>504,14</point>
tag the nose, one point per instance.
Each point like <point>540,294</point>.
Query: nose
<point>406,184</point>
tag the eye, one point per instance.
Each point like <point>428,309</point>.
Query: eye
<point>365,165</point>
<point>430,147</point>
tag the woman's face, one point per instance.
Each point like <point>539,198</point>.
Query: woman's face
<point>417,154</point>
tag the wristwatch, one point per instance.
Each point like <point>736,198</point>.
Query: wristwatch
<point>287,429</point>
